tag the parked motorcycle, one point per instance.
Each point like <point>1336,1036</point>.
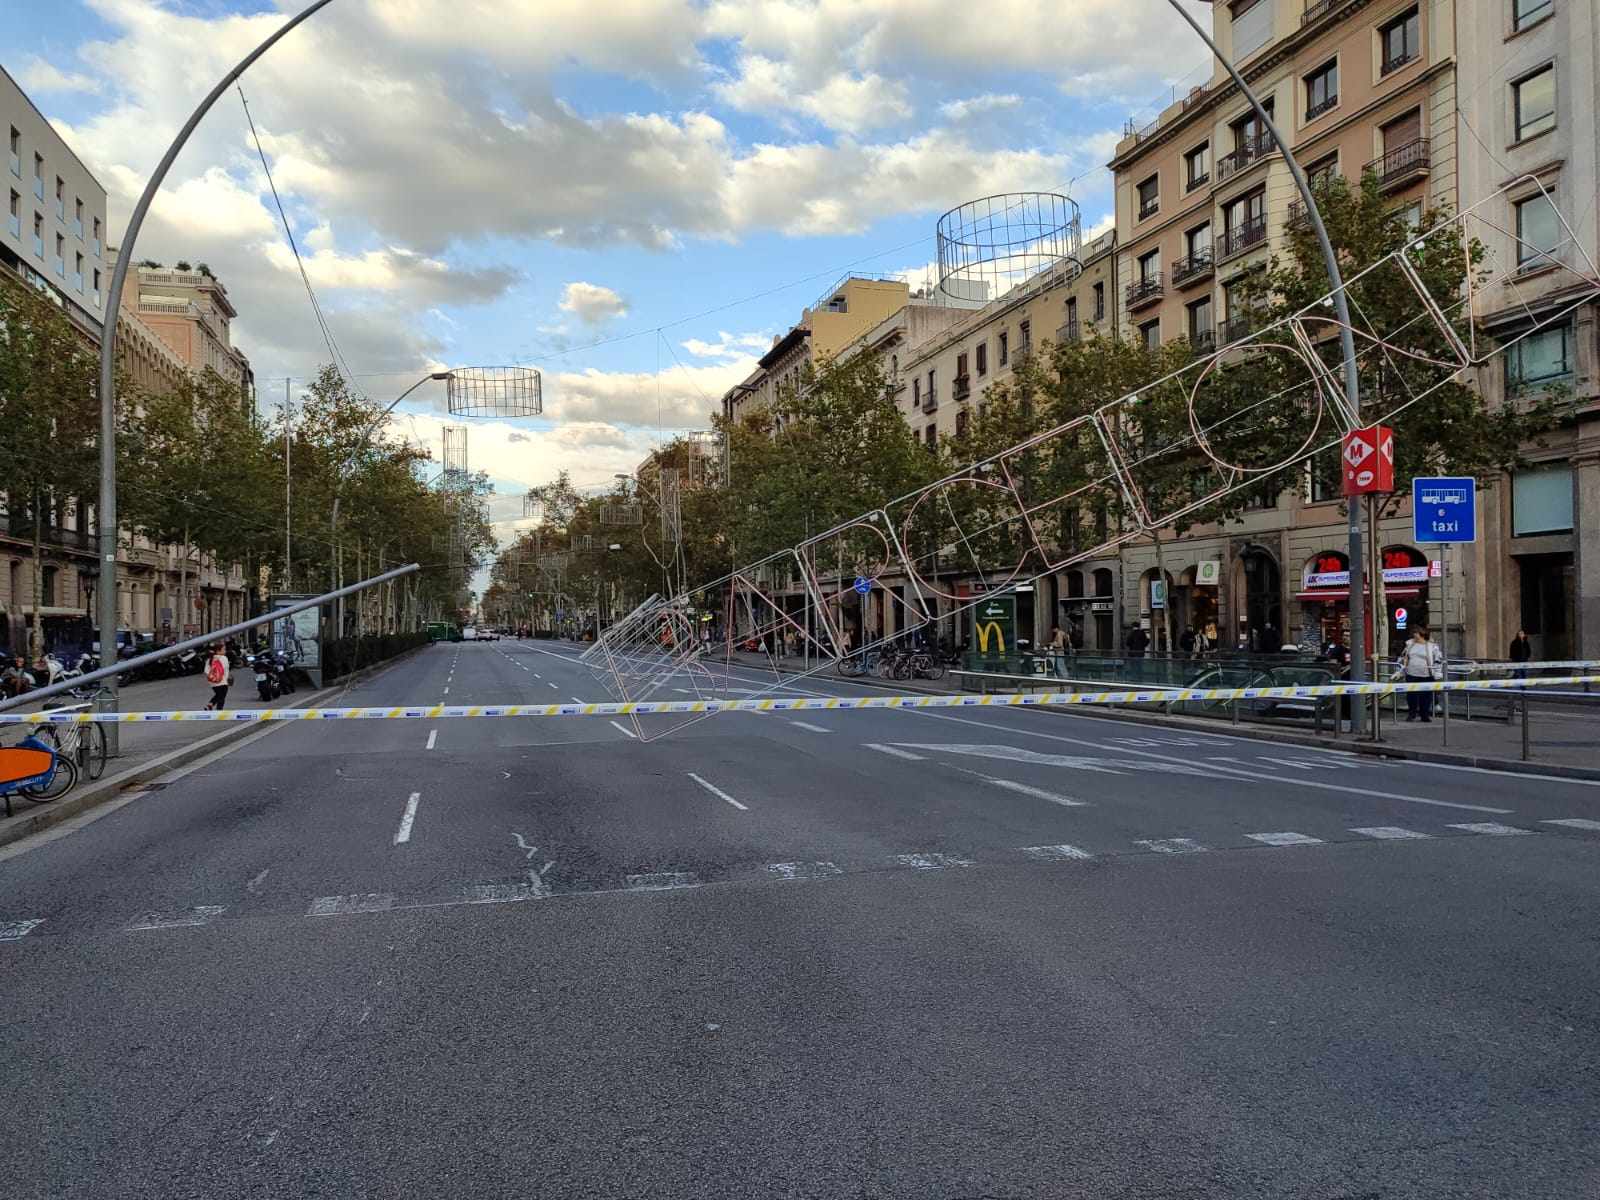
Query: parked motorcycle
<point>265,674</point>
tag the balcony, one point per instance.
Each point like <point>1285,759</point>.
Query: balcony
<point>960,387</point>
<point>1197,181</point>
<point>1144,291</point>
<point>1191,270</point>
<point>1235,328</point>
<point>1248,150</point>
<point>1149,208</point>
<point>1241,237</point>
<point>930,401</point>
<point>1313,111</point>
<point>1068,333</point>
<point>1204,341</point>
<point>1317,9</point>
<point>1402,165</point>
<point>1391,65</point>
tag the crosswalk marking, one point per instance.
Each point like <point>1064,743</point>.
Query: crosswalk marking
<point>1170,845</point>
<point>660,881</point>
<point>499,893</point>
<point>1055,853</point>
<point>1389,832</point>
<point>1284,839</point>
<point>10,931</point>
<point>341,906</point>
<point>181,919</point>
<point>1491,828</point>
<point>932,862</point>
<point>895,751</point>
<point>804,870</point>
<point>1575,823</point>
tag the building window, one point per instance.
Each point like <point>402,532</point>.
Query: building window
<point>96,244</point>
<point>1072,310</point>
<point>1149,196</point>
<point>1100,302</point>
<point>1538,231</point>
<point>1322,172</point>
<point>38,177</point>
<point>1252,26</point>
<point>1410,215</point>
<point>932,435</point>
<point>931,395</point>
<point>1534,99</point>
<point>1197,166</point>
<point>960,383</point>
<point>1202,326</point>
<point>1198,241</point>
<point>1400,42</point>
<point>1541,501</point>
<point>15,218</point>
<point>1247,130</point>
<point>981,353</point>
<point>916,392</point>
<point>1025,337</point>
<point>1325,482</point>
<point>97,286</point>
<point>1150,266</point>
<point>1150,334</point>
<point>1322,89</point>
<point>1529,12</point>
<point>1004,350</point>
<point>77,273</point>
<point>77,219</point>
<point>961,423</point>
<point>38,236</point>
<point>1540,357</point>
<point>16,152</point>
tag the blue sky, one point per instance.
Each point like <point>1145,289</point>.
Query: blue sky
<point>481,182</point>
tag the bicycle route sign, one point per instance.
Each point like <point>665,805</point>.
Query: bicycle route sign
<point>863,585</point>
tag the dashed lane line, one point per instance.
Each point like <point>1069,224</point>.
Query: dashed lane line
<point>811,727</point>
<point>1284,839</point>
<point>893,752</point>
<point>623,729</point>
<point>433,736</point>
<point>403,834</point>
<point>1037,793</point>
<point>718,792</point>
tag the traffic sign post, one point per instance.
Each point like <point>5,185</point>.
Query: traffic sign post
<point>1444,510</point>
<point>863,585</point>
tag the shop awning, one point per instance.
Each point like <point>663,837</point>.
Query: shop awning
<point>1342,595</point>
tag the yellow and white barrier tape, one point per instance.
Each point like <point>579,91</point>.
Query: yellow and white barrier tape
<point>613,708</point>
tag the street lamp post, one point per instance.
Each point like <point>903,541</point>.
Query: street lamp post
<point>107,509</point>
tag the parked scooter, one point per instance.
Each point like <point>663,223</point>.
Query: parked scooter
<point>266,676</point>
<point>283,670</point>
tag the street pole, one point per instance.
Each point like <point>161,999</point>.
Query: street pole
<point>107,508</point>
<point>1347,345</point>
<point>288,491</point>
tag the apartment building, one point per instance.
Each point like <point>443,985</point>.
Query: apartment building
<point>839,316</point>
<point>54,235</point>
<point>1529,95</point>
<point>190,310</point>
<point>1203,196</point>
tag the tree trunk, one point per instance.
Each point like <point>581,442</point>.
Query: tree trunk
<point>1166,608</point>
<point>183,586</point>
<point>36,634</point>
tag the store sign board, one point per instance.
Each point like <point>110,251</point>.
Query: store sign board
<point>1341,579</point>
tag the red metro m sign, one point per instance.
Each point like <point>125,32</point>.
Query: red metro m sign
<point>1367,465</point>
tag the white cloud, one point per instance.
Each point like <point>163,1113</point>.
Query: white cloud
<point>972,106</point>
<point>42,78</point>
<point>729,345</point>
<point>852,103</point>
<point>592,303</point>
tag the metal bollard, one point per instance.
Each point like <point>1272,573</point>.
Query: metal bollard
<point>105,700</point>
<point>1444,717</point>
<point>1526,750</point>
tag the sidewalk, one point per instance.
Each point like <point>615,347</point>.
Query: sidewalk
<point>1563,737</point>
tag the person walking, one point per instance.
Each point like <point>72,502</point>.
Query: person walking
<point>1186,641</point>
<point>1138,642</point>
<point>1420,660</point>
<point>1058,646</point>
<point>1521,653</point>
<point>219,674</point>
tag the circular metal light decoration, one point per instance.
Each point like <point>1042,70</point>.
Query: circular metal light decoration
<point>495,392</point>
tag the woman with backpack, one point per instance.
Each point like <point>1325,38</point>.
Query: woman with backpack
<point>219,674</point>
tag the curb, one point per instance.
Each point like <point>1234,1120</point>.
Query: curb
<point>83,799</point>
<point>1514,766</point>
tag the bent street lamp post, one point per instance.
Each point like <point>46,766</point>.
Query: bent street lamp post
<point>107,514</point>
<point>1347,346</point>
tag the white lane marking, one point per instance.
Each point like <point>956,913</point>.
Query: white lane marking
<point>1284,839</point>
<point>536,674</point>
<point>1575,823</point>
<point>623,729</point>
<point>1253,776</point>
<point>931,862</point>
<point>343,906</point>
<point>812,728</point>
<point>403,834</point>
<point>433,736</point>
<point>716,791</point>
<point>447,691</point>
<point>1325,764</point>
<point>184,918</point>
<point>894,751</point>
<point>1389,833</point>
<point>804,870</point>
<point>10,931</point>
<point>1037,793</point>
<point>549,684</point>
<point>1015,754</point>
<point>1433,766</point>
<point>1057,853</point>
<point>579,700</point>
<point>254,885</point>
<point>500,893</point>
<point>1492,828</point>
<point>660,881</point>
<point>1170,845</point>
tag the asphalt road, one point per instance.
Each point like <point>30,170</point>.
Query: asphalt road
<point>991,953</point>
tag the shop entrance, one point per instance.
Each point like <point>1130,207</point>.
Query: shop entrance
<point>1548,615</point>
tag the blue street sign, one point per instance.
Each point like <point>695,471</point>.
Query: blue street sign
<point>863,584</point>
<point>1444,509</point>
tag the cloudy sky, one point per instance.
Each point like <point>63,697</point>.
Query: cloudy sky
<point>633,197</point>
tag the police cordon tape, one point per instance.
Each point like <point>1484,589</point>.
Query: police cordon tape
<point>614,708</point>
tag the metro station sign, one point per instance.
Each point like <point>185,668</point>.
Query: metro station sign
<point>1367,468</point>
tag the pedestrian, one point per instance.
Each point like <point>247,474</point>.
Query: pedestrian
<point>1186,641</point>
<point>1058,646</point>
<point>1138,642</point>
<point>219,674</point>
<point>1420,660</point>
<point>1521,652</point>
